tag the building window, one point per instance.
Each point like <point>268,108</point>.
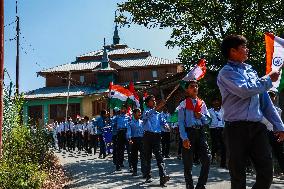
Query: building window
<point>154,74</point>
<point>98,106</point>
<point>135,76</point>
<point>82,78</point>
<point>35,114</point>
<point>58,111</point>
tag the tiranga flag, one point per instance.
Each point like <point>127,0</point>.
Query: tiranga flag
<point>135,95</point>
<point>118,95</point>
<point>197,72</point>
<point>275,58</point>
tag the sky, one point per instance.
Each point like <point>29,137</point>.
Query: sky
<point>54,32</point>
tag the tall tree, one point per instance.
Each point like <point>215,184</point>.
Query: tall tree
<point>198,26</point>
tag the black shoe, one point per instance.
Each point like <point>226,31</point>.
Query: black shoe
<point>148,179</point>
<point>118,168</point>
<point>167,156</point>
<point>121,165</point>
<point>144,176</point>
<point>164,180</point>
<point>189,186</point>
<point>134,174</point>
<point>200,186</point>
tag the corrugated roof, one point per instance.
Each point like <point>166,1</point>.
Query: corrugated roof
<point>124,63</point>
<point>126,50</point>
<point>53,92</point>
<point>74,66</point>
<point>147,61</point>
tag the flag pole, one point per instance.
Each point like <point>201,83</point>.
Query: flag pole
<point>171,93</point>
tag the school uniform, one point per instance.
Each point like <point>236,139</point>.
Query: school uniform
<point>122,121</point>
<point>165,137</point>
<point>100,123</point>
<point>135,133</point>
<point>245,101</point>
<point>216,132</point>
<point>194,129</point>
<point>152,124</point>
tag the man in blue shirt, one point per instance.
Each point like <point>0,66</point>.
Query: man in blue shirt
<point>122,121</point>
<point>152,124</point>
<point>113,124</point>
<point>101,123</point>
<point>245,101</point>
<point>135,135</point>
<point>216,131</point>
<point>192,117</point>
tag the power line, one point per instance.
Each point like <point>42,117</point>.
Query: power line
<point>9,24</point>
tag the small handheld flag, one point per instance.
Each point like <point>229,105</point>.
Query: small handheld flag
<point>275,58</point>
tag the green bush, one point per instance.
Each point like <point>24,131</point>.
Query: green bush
<point>24,161</point>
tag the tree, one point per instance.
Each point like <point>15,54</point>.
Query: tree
<point>198,26</point>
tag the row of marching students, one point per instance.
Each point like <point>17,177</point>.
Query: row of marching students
<point>85,134</point>
<point>140,134</point>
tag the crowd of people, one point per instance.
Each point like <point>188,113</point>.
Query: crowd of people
<point>238,131</point>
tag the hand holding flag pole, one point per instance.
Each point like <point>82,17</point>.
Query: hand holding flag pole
<point>197,73</point>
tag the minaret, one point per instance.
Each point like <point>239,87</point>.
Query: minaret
<point>104,63</point>
<point>116,37</point>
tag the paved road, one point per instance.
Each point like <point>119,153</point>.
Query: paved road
<point>88,171</point>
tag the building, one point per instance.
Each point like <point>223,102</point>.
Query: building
<point>83,84</point>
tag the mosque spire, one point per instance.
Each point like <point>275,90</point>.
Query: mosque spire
<point>116,37</point>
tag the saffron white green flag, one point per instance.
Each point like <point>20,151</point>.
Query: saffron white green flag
<point>275,58</point>
<point>197,72</point>
<point>118,95</point>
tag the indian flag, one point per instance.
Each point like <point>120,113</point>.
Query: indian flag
<point>275,58</point>
<point>135,96</point>
<point>197,72</point>
<point>118,95</point>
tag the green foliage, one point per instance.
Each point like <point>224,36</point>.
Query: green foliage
<point>198,27</point>
<point>24,161</point>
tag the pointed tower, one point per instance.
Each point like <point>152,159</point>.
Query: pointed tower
<point>116,37</point>
<point>105,60</point>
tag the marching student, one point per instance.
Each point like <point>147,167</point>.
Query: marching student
<point>245,101</point>
<point>122,121</point>
<point>166,135</point>
<point>101,123</point>
<point>216,131</point>
<point>113,124</point>
<point>152,124</point>
<point>135,136</point>
<point>192,117</point>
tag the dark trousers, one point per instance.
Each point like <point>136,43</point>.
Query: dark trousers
<point>79,141</point>
<point>166,141</point>
<point>197,139</point>
<point>59,140</point>
<point>152,143</point>
<point>245,140</point>
<point>218,145</point>
<point>114,148</point>
<point>121,143</point>
<point>102,145</point>
<point>136,147</point>
<point>179,146</point>
<point>278,150</point>
<point>93,143</point>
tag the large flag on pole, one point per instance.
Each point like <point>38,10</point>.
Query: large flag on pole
<point>275,58</point>
<point>118,95</point>
<point>135,95</point>
<point>197,72</point>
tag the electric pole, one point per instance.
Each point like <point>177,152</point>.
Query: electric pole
<point>18,50</point>
<point>1,68</point>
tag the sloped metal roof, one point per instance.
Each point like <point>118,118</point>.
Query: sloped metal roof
<point>126,50</point>
<point>55,92</point>
<point>74,66</point>
<point>146,61</point>
<point>124,63</point>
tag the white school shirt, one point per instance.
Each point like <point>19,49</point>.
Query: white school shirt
<point>217,118</point>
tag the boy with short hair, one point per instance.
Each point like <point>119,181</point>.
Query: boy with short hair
<point>192,117</point>
<point>152,123</point>
<point>245,101</point>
